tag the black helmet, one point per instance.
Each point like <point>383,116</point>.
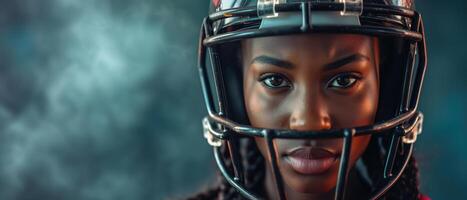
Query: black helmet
<point>403,63</point>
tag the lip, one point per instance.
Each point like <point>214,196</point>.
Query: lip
<point>310,160</point>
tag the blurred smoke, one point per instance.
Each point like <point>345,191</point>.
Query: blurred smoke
<point>94,100</point>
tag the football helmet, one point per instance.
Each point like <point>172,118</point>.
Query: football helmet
<point>402,69</point>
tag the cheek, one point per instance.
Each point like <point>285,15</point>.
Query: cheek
<point>355,110</point>
<point>359,145</point>
<point>262,146</point>
<point>262,109</point>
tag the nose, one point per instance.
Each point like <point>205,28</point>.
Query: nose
<point>310,113</point>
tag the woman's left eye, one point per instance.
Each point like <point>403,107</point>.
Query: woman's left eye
<point>344,81</point>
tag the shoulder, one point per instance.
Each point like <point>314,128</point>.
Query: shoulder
<point>423,197</point>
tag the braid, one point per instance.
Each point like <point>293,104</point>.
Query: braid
<point>253,166</point>
<point>407,185</point>
<point>223,189</point>
<point>226,190</point>
<point>253,169</point>
<point>253,163</point>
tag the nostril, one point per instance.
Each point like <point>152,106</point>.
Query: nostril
<point>326,123</point>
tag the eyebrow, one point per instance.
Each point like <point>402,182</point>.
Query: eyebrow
<point>346,60</point>
<point>330,66</point>
<point>273,61</point>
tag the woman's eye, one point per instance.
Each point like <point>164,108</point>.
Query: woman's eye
<point>275,81</point>
<point>344,81</point>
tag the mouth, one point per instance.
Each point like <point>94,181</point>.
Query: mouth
<point>310,160</point>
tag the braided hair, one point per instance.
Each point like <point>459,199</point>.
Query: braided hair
<point>253,165</point>
<point>406,187</point>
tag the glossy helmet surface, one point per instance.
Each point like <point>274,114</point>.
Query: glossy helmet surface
<point>403,63</point>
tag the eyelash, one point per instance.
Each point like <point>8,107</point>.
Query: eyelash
<point>350,75</point>
<point>266,79</point>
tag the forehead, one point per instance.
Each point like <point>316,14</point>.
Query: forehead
<point>318,45</point>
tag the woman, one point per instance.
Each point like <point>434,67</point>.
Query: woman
<point>315,100</point>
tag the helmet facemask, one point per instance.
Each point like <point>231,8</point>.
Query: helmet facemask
<point>397,122</point>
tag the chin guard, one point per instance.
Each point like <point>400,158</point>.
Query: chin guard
<point>207,133</point>
<point>412,132</point>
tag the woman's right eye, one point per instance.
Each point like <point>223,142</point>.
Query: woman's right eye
<point>275,81</point>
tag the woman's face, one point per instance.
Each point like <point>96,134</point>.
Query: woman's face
<point>311,82</point>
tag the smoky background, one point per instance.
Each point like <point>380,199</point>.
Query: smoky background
<point>101,100</point>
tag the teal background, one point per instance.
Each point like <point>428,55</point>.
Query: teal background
<point>101,100</point>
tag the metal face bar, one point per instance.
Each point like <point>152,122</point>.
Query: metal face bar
<point>413,57</point>
<point>274,165</point>
<point>364,29</point>
<point>422,65</point>
<point>221,99</point>
<point>233,146</point>
<point>384,9</point>
<point>390,158</point>
<point>403,107</point>
<point>229,178</point>
<point>208,98</point>
<point>399,131</point>
<point>391,123</point>
<point>219,85</point>
<point>392,180</point>
<point>246,130</point>
<point>407,96</point>
<point>252,11</point>
<point>411,60</point>
<point>344,165</point>
<point>408,78</point>
<point>305,6</point>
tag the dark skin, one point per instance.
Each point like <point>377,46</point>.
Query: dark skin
<point>310,82</point>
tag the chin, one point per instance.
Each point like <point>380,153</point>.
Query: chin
<point>311,184</point>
